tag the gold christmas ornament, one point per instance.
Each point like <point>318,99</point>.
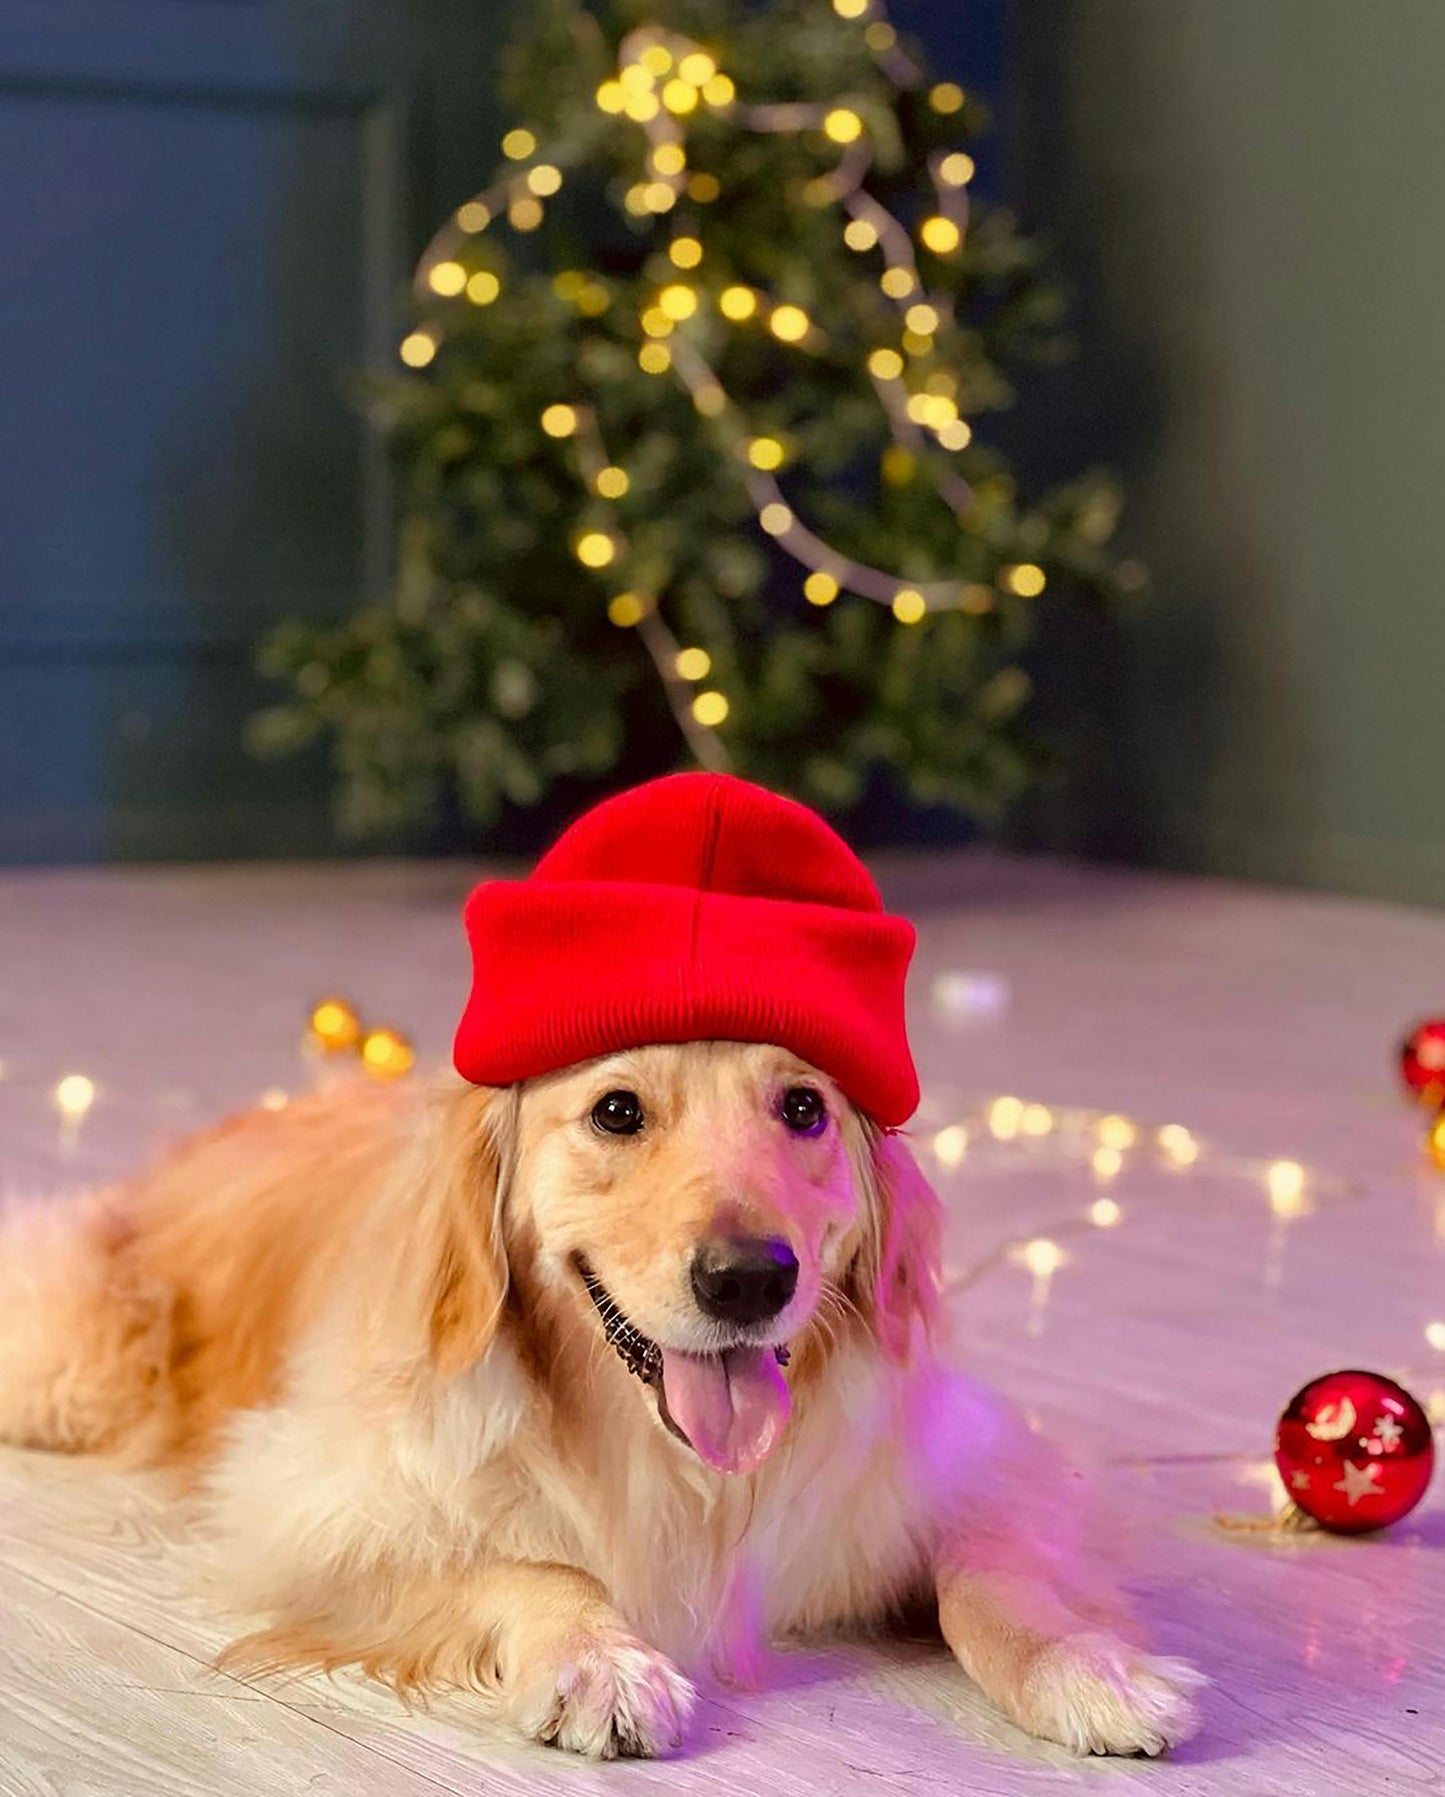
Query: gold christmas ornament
<point>387,1054</point>
<point>333,1026</point>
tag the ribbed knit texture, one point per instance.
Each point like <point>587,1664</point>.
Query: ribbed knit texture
<point>697,907</point>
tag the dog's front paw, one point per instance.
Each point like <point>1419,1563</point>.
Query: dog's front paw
<point>603,1693</point>
<point>1096,1694</point>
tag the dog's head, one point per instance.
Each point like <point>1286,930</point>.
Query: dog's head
<point>700,1210</point>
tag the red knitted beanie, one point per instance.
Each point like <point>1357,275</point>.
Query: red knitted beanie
<point>694,908</point>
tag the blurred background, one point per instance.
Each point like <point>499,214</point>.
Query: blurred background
<point>1197,247</point>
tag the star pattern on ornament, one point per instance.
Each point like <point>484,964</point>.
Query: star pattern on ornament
<point>1299,1480</point>
<point>1358,1481</point>
<point>1388,1429</point>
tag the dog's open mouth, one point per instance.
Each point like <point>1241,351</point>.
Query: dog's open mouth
<point>730,1407</point>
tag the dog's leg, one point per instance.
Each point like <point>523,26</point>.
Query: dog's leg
<point>1058,1674</point>
<point>542,1639</point>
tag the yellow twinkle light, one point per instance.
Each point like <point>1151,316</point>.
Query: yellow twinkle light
<point>885,364</point>
<point>518,145</point>
<point>654,358</point>
<point>703,187</point>
<point>1042,1257</point>
<point>612,482</point>
<point>680,97</point>
<point>842,125</point>
<point>1177,1145</point>
<point>710,708</point>
<point>946,97</point>
<point>447,279</point>
<point>660,197</point>
<point>611,97</point>
<point>74,1095</point>
<point>474,217</point>
<point>859,234</point>
<point>656,323</point>
<point>850,9</point>
<point>684,252</point>
<point>668,159</point>
<point>656,59</point>
<point>718,90</point>
<point>897,282</point>
<point>525,214</point>
<point>635,199</point>
<point>1037,1120</point>
<point>737,303</point>
<point>592,299</point>
<point>559,421</point>
<point>919,407</point>
<point>940,235</point>
<point>950,1145</point>
<point>1285,1183</point>
<point>626,609</point>
<point>776,518</point>
<point>1435,1336</point>
<point>483,287</point>
<point>921,319</point>
<point>765,453</point>
<point>544,179</point>
<point>595,549</point>
<point>678,301</point>
<point>820,588</point>
<point>1023,578</point>
<point>956,435</point>
<point>693,664</point>
<point>1005,1115</point>
<point>915,344</point>
<point>1104,1213</point>
<point>880,36</point>
<point>635,79</point>
<point>697,67</point>
<point>1107,1163</point>
<point>1114,1131</point>
<point>789,324</point>
<point>957,169</point>
<point>909,605</point>
<point>417,349</point>
<point>641,107</point>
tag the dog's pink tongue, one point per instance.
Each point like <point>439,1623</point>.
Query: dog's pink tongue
<point>732,1407</point>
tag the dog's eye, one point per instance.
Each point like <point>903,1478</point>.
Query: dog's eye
<point>803,1110</point>
<point>619,1113</point>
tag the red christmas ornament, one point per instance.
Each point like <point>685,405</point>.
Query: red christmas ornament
<point>1355,1451</point>
<point>1422,1062</point>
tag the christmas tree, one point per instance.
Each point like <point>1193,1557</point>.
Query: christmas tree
<point>693,448</point>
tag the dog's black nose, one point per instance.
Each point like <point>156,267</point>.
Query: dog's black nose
<point>745,1281</point>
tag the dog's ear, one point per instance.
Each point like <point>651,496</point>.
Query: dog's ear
<point>441,1265</point>
<point>899,1267</point>
<point>470,1277</point>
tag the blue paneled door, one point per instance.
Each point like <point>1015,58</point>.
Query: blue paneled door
<point>206,218</point>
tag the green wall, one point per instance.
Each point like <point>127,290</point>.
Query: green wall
<point>1250,198</point>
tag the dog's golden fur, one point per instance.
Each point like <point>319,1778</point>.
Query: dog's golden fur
<point>356,1325</point>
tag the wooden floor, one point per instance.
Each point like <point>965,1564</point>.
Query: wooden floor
<point>1181,1313</point>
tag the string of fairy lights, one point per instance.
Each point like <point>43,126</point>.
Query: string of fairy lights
<point>661,81</point>
<point>1022,1131</point>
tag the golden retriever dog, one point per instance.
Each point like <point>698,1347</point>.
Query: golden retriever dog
<point>600,1372</point>
<point>459,1413</point>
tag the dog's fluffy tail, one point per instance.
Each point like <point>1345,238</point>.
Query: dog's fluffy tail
<point>85,1336</point>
